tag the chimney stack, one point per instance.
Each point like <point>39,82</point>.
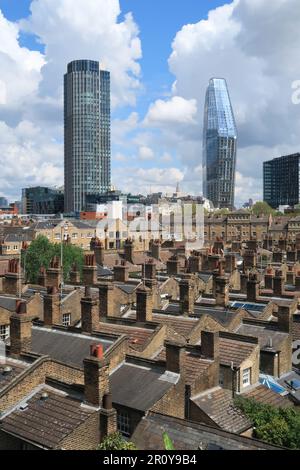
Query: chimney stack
<point>129,250</point>
<point>108,417</point>
<point>106,301</point>
<point>89,312</point>
<point>195,262</point>
<point>54,273</point>
<point>249,259</point>
<point>96,376</point>
<point>278,283</point>
<point>121,271</point>
<point>210,344</point>
<point>230,263</point>
<point>12,284</point>
<point>252,288</point>
<point>149,269</point>
<point>221,287</point>
<point>285,319</point>
<point>173,265</point>
<point>155,248</point>
<point>187,295</point>
<point>269,278</point>
<point>144,304</point>
<point>42,277</point>
<point>175,357</point>
<point>20,330</point>
<point>89,271</point>
<point>52,314</point>
<point>75,274</point>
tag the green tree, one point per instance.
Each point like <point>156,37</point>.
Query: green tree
<point>41,252</point>
<point>278,426</point>
<point>71,254</point>
<point>262,208</point>
<point>116,442</point>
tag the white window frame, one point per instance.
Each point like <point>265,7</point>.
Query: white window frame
<point>123,421</point>
<point>246,377</point>
<point>66,319</point>
<point>4,332</point>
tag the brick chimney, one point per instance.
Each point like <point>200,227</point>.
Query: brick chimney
<point>249,259</point>
<point>54,273</point>
<point>187,295</point>
<point>282,244</point>
<point>236,247</point>
<point>213,262</point>
<point>297,282</point>
<point>52,314</point>
<point>230,263</point>
<point>42,277</point>
<point>269,278</point>
<point>106,300</point>
<point>20,330</point>
<point>291,256</point>
<point>89,271</point>
<point>285,319</point>
<point>149,269</point>
<point>96,376</point>
<point>277,256</point>
<point>175,357</point>
<point>173,265</point>
<point>195,262</point>
<point>129,250</point>
<point>252,245</point>
<point>290,275</point>
<point>278,283</point>
<point>155,248</point>
<point>144,304</point>
<point>89,312</point>
<point>121,271</point>
<point>252,288</point>
<point>210,344</point>
<point>75,274</point>
<point>244,282</point>
<point>98,249</point>
<point>108,417</point>
<point>12,284</point>
<point>218,247</point>
<point>221,287</point>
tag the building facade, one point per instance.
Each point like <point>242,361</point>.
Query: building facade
<point>42,200</point>
<point>87,133</point>
<point>219,146</point>
<point>281,181</point>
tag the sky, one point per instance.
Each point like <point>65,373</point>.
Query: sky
<point>161,55</point>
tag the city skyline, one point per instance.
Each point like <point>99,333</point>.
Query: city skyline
<point>158,87</point>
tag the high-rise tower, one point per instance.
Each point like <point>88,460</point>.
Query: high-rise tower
<point>219,145</point>
<point>87,132</point>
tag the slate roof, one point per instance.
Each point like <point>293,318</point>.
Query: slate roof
<point>138,337</point>
<point>218,405</point>
<point>46,422</point>
<point>187,435</point>
<point>263,333</point>
<point>194,365</point>
<point>234,351</point>
<point>179,324</point>
<point>8,303</point>
<point>16,369</point>
<point>70,348</point>
<point>221,315</point>
<point>139,387</point>
<point>266,396</point>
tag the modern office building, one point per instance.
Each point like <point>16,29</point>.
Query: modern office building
<point>3,202</point>
<point>41,200</point>
<point>281,181</point>
<point>219,146</point>
<point>87,133</point>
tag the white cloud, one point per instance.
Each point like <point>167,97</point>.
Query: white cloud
<point>146,153</point>
<point>176,110</point>
<point>31,86</point>
<point>254,44</point>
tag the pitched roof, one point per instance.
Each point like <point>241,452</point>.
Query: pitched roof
<point>234,351</point>
<point>140,386</point>
<point>266,396</point>
<point>46,422</point>
<point>218,405</point>
<point>16,369</point>
<point>138,337</point>
<point>70,348</point>
<point>187,435</point>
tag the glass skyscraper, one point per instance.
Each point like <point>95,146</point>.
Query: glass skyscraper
<point>87,132</point>
<point>219,145</point>
<point>282,181</point>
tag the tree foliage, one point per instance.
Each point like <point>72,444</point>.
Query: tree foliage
<point>278,426</point>
<point>41,252</point>
<point>262,208</point>
<point>116,442</point>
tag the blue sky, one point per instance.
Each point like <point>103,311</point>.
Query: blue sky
<point>160,60</point>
